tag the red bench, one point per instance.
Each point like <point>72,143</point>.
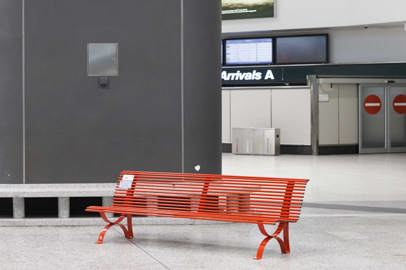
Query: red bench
<point>258,200</point>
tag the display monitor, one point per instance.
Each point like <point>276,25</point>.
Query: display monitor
<point>250,51</point>
<point>247,9</point>
<point>302,49</point>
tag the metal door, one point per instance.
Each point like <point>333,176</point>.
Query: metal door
<point>396,110</point>
<point>372,122</point>
<point>382,113</point>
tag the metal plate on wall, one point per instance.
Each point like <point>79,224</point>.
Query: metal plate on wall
<point>102,59</point>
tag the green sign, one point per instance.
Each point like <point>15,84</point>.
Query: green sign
<point>247,9</point>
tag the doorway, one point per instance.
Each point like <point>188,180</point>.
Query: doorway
<point>382,118</point>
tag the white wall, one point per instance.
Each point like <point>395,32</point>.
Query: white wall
<point>375,44</point>
<point>328,115</point>
<point>300,14</point>
<point>348,114</point>
<point>251,109</point>
<point>226,116</point>
<point>371,45</point>
<point>338,114</point>
<point>287,109</point>
<point>291,112</point>
<point>344,21</point>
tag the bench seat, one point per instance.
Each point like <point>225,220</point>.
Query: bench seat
<point>256,200</point>
<point>239,218</point>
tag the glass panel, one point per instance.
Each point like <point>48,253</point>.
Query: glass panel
<point>397,109</point>
<point>372,106</point>
<point>102,59</point>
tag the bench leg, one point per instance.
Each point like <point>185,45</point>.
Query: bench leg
<point>130,227</point>
<point>284,244</point>
<point>128,232</point>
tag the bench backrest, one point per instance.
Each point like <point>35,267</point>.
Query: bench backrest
<point>238,198</point>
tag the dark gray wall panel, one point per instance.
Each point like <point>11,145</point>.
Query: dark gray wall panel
<point>202,85</point>
<point>10,92</point>
<point>77,132</point>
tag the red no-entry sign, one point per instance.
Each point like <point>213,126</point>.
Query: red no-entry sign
<point>373,104</point>
<point>399,104</point>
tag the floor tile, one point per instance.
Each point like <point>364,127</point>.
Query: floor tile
<point>68,248</point>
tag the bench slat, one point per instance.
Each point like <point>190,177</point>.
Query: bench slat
<point>220,197</point>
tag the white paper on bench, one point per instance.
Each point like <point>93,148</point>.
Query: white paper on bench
<point>126,182</point>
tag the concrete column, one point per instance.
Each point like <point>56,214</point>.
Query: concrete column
<point>314,92</point>
<point>63,207</point>
<point>107,201</point>
<point>18,207</point>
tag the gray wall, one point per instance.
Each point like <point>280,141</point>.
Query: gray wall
<point>202,85</point>
<point>78,132</point>
<point>10,92</point>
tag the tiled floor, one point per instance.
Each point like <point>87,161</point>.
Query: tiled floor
<point>354,218</point>
<point>332,178</point>
<point>318,242</point>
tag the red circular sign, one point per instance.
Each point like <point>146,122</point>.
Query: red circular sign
<point>399,104</point>
<point>373,104</point>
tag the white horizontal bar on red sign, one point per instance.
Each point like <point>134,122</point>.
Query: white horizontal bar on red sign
<point>400,104</point>
<point>372,104</point>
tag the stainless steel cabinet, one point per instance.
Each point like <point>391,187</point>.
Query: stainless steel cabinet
<point>256,141</point>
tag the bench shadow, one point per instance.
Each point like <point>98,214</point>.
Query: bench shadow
<point>250,248</point>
